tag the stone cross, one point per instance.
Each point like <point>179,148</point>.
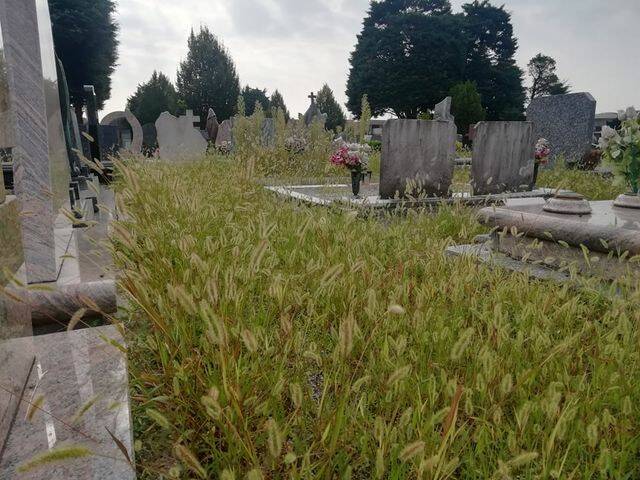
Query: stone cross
<point>192,118</point>
<point>313,98</point>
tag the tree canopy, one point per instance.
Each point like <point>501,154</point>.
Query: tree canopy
<point>544,80</point>
<point>328,104</point>
<point>410,54</point>
<point>277,101</point>
<point>466,106</point>
<point>208,78</point>
<point>85,37</point>
<point>152,98</point>
<point>255,95</point>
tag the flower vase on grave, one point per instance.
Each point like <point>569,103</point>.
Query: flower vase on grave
<point>356,179</point>
<point>621,148</point>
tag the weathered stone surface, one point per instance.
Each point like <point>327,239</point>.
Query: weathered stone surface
<point>442,111</point>
<point>566,121</point>
<point>178,139</point>
<point>225,133</point>
<point>619,228</point>
<point>212,125</point>
<point>417,158</point>
<point>313,113</point>
<point>503,157</point>
<point>41,165</point>
<point>115,118</point>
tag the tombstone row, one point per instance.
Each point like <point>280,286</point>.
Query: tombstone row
<point>418,158</point>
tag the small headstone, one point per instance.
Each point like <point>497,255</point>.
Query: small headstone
<point>109,140</point>
<point>129,128</point>
<point>442,110</point>
<point>212,125</point>
<point>178,138</point>
<point>503,157</point>
<point>566,121</point>
<point>225,133</point>
<point>418,158</point>
<point>313,113</point>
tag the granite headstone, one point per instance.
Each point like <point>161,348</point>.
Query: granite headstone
<point>566,121</point>
<point>212,125</point>
<point>503,157</point>
<point>418,158</point>
<point>40,161</point>
<point>225,133</point>
<point>130,135</point>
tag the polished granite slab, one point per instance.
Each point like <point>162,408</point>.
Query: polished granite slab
<point>82,378</point>
<point>341,195</point>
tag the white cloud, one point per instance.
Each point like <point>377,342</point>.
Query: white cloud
<point>298,45</point>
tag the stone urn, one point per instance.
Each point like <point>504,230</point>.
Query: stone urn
<point>628,200</point>
<point>568,203</point>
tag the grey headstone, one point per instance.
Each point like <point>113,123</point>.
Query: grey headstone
<point>313,113</point>
<point>212,125</point>
<point>503,157</point>
<point>225,133</point>
<point>442,110</point>
<point>566,121</point>
<point>178,138</point>
<point>41,164</point>
<point>417,158</point>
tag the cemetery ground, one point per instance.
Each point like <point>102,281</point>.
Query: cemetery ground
<point>270,339</point>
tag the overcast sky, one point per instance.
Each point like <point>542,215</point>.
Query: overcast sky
<point>297,45</point>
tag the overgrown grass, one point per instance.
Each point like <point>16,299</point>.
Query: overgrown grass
<point>273,340</point>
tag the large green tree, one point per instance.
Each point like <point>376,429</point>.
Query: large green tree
<point>152,98</point>
<point>328,104</point>
<point>466,106</point>
<point>408,56</point>
<point>490,60</point>
<point>544,80</point>
<point>255,95</point>
<point>85,35</point>
<point>208,78</point>
<point>412,52</point>
<point>277,101</point>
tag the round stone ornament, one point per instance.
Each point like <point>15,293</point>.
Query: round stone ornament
<point>628,200</point>
<point>568,203</point>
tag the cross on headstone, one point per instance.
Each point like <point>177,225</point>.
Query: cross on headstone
<point>192,118</point>
<point>313,98</point>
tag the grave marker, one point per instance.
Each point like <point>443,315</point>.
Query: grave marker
<point>418,158</point>
<point>503,157</point>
